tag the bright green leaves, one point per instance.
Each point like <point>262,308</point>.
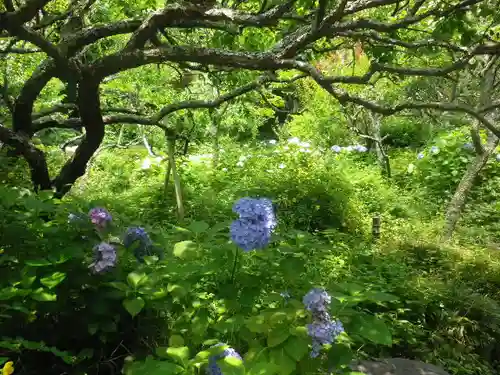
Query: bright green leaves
<point>231,366</point>
<point>153,367</point>
<point>185,249</point>
<point>134,305</point>
<point>371,328</point>
<point>43,296</point>
<point>51,281</point>
<point>136,279</point>
<point>179,354</point>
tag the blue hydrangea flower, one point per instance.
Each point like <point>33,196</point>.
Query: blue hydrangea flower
<point>213,368</point>
<point>336,148</point>
<point>250,235</point>
<point>317,300</point>
<point>100,217</point>
<point>285,295</point>
<point>323,332</point>
<point>420,155</point>
<point>360,148</point>
<point>349,148</point>
<point>498,157</point>
<point>468,146</point>
<point>434,150</point>
<point>260,209</point>
<point>104,258</point>
<point>254,227</point>
<point>74,218</point>
<point>138,239</point>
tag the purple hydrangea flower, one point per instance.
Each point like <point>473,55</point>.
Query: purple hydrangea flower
<point>104,257</point>
<point>213,368</point>
<point>336,148</point>
<point>100,217</point>
<point>317,300</point>
<point>138,238</point>
<point>434,150</point>
<point>420,155</point>
<point>323,332</point>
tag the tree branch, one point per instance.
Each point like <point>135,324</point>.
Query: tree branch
<point>34,157</point>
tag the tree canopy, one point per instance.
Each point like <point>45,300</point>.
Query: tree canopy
<point>85,43</point>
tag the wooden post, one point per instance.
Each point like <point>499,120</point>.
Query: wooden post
<point>376,227</point>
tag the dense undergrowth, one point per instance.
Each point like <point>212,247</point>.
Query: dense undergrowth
<point>403,295</point>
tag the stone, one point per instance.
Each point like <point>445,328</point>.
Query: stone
<point>397,366</point>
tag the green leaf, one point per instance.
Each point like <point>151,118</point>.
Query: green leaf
<point>283,362</point>
<point>118,285</point>
<point>152,367</point>
<point>296,348</point>
<point>198,227</point>
<point>134,306</point>
<point>176,290</point>
<point>277,336</point>
<point>231,366</point>
<point>43,296</point>
<point>263,368</point>
<point>339,355</point>
<point>135,279</point>
<point>257,324</point>
<point>184,249</point>
<point>371,328</point>
<point>53,280</point>
<point>180,355</point>
<point>38,263</point>
<point>176,341</point>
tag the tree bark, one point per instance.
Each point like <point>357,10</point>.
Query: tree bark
<point>457,203</point>
<point>90,112</point>
<point>459,198</point>
<point>33,156</point>
<point>176,177</point>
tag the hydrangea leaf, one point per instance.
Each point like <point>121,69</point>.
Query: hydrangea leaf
<point>296,348</point>
<point>134,306</point>
<point>53,280</point>
<point>184,249</point>
<point>371,328</point>
<point>231,366</point>
<point>277,336</point>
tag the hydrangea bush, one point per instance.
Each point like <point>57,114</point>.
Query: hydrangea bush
<point>194,298</point>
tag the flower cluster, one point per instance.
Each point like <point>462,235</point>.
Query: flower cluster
<point>104,257</point>
<point>213,368</point>
<point>322,330</point>
<point>358,148</point>
<point>100,217</point>
<point>138,239</point>
<point>255,224</point>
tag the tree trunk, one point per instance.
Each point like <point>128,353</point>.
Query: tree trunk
<point>90,112</point>
<point>176,177</point>
<point>215,138</point>
<point>459,198</point>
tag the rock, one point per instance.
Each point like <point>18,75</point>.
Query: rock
<point>397,366</point>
